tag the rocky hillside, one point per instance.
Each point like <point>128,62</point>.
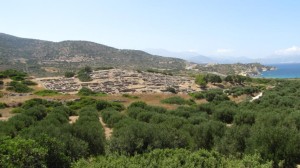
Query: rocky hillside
<point>47,58</point>
<point>251,69</point>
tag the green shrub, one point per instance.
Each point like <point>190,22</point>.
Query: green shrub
<point>84,91</point>
<point>111,116</point>
<point>140,104</point>
<point>89,129</point>
<point>19,152</point>
<point>244,117</point>
<point>18,87</point>
<point>237,79</point>
<point>201,80</point>
<point>130,96</point>
<point>238,91</point>
<point>17,110</point>
<point>84,74</point>
<point>28,82</point>
<point>17,78</point>
<point>224,115</point>
<point>104,68</point>
<point>197,95</point>
<point>210,95</point>
<point>3,105</point>
<point>177,100</point>
<point>171,89</point>
<point>174,158</point>
<point>69,74</point>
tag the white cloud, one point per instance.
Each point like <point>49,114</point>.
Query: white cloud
<point>224,51</point>
<point>288,51</point>
<point>192,50</point>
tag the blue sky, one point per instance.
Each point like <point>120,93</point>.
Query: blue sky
<point>250,28</point>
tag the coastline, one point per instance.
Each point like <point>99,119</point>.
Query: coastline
<point>282,71</point>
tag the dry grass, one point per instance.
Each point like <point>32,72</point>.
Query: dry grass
<point>6,114</point>
<point>37,87</point>
<point>6,81</point>
<point>239,99</point>
<point>51,69</point>
<point>151,99</point>
<point>16,99</point>
<point>201,101</point>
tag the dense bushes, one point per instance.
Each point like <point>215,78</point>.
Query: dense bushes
<point>20,152</point>
<point>211,95</point>
<point>84,91</point>
<point>69,74</point>
<point>89,129</point>
<point>236,79</point>
<point>46,126</point>
<point>20,83</point>
<point>98,104</point>
<point>46,93</point>
<point>174,158</point>
<point>255,132</point>
<point>184,127</point>
<point>202,79</point>
<point>139,137</point>
<point>28,82</point>
<point>212,78</point>
<point>84,74</point>
<point>177,100</point>
<point>3,105</point>
<point>111,116</point>
<point>14,74</point>
<point>18,87</point>
<point>147,127</point>
<point>238,91</point>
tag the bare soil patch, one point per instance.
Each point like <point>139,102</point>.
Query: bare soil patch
<point>51,69</point>
<point>6,114</point>
<point>239,99</point>
<point>15,99</point>
<point>73,119</point>
<point>107,131</point>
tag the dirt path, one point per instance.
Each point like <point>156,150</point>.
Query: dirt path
<point>73,119</point>
<point>107,131</point>
<point>256,97</point>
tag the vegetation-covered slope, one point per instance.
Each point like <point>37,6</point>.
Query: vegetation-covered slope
<point>219,133</point>
<point>35,55</point>
<point>252,69</point>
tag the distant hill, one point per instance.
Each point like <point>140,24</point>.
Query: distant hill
<point>251,69</point>
<point>278,59</point>
<point>202,59</point>
<point>187,55</point>
<point>47,58</point>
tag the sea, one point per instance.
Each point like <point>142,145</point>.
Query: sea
<point>289,70</point>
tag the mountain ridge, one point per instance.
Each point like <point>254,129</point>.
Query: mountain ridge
<point>69,54</point>
<point>200,58</point>
<point>186,55</point>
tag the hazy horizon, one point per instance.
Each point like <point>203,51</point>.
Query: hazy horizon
<point>252,29</point>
